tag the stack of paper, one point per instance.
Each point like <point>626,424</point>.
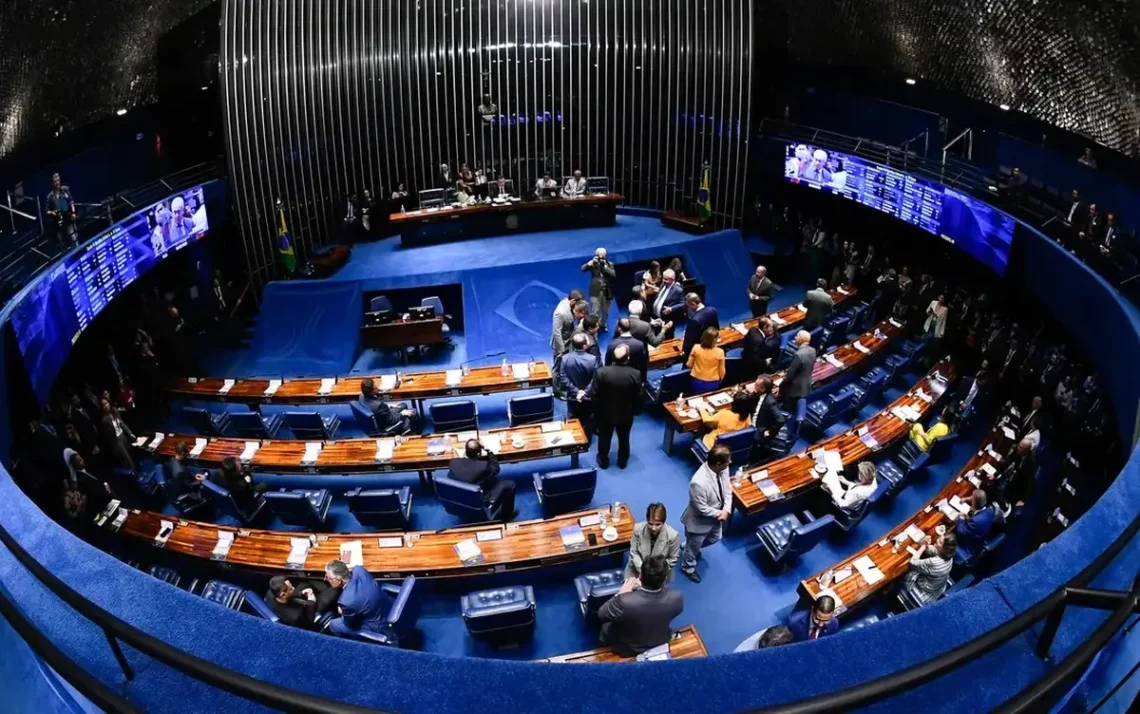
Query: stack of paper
<point>959,505</point>
<point>200,445</point>
<point>384,450</point>
<point>868,440</point>
<point>859,346</point>
<point>520,370</point>
<point>158,437</point>
<point>720,399</point>
<point>831,360</point>
<point>591,520</point>
<point>120,519</point>
<point>227,385</point>
<point>552,426</point>
<point>993,454</point>
<point>388,382</point>
<point>298,552</point>
<point>140,441</point>
<point>947,510</point>
<point>468,551</point>
<point>770,490</point>
<point>558,439</point>
<point>975,480</point>
<point>923,395</point>
<point>696,403</point>
<point>484,536</point>
<point>777,319</point>
<point>572,537</point>
<point>352,553</point>
<point>312,453</point>
<point>841,291</point>
<point>990,470</point>
<point>896,323</point>
<point>759,476</point>
<point>801,307</point>
<point>327,385</point>
<point>915,533</point>
<point>868,570</point>
<point>250,449</point>
<point>1009,433</point>
<point>274,385</point>
<point>222,547</point>
<point>454,377</point>
<point>390,542</point>
<point>655,654</point>
<point>833,460</point>
<point>492,442</point>
<point>739,327</point>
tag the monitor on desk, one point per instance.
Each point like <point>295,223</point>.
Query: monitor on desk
<point>550,192</point>
<point>597,184</point>
<point>432,197</point>
<point>378,317</point>
<point>422,312</point>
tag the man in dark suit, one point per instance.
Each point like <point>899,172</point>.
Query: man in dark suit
<point>1018,480</point>
<point>765,414</point>
<point>362,604</point>
<point>1094,225</point>
<point>648,332</point>
<point>298,603</point>
<point>797,378</point>
<point>760,291</point>
<point>179,479</point>
<point>701,318</point>
<point>761,348</point>
<point>638,618</point>
<point>589,327</point>
<point>669,304</point>
<point>387,415</point>
<point>563,321</point>
<point>445,179</point>
<point>818,622</point>
<point>602,275</point>
<point>616,393</point>
<point>975,529</point>
<point>819,305</point>
<point>480,468</point>
<point>575,375</point>
<point>638,354</point>
<point>1077,211</point>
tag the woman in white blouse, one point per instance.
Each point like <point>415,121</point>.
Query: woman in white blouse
<point>935,325</point>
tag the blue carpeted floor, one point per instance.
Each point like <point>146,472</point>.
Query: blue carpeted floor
<point>739,594</point>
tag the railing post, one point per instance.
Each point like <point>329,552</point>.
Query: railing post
<point>1049,631</point>
<point>119,656</point>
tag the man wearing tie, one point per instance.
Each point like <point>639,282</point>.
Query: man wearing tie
<point>819,622</point>
<point>760,290</point>
<point>575,187</point>
<point>765,415</point>
<point>701,318</point>
<point>819,305</point>
<point>602,275</point>
<point>444,179</point>
<point>710,507</point>
<point>1077,212</point>
<point>761,347</point>
<point>1111,233</point>
<point>669,305</point>
<point>638,354</point>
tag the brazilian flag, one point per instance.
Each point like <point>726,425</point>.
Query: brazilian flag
<point>284,243</point>
<point>704,210</point>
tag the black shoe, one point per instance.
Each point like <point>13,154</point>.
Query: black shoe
<point>603,463</point>
<point>694,576</point>
<point>622,464</point>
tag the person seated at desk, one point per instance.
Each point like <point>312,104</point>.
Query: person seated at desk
<point>400,195</point>
<point>179,479</point>
<point>239,483</point>
<point>651,537</point>
<point>480,468</point>
<point>464,193</point>
<point>761,348</point>
<point>1015,184</point>
<point>499,188</point>
<point>776,636</point>
<point>638,618</point>
<point>930,568</point>
<point>706,362</point>
<point>924,438</point>
<point>386,414</point>
<point>651,280</point>
<point>575,187</point>
<point>736,417</point>
<point>818,622</point>
<point>545,186</point>
<point>300,603</point>
<point>975,528</point>
<point>848,495</point>
<point>362,604</point>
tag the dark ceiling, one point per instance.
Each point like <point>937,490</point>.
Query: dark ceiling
<point>1073,63</point>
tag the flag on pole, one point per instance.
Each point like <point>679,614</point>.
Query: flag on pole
<point>704,210</point>
<point>284,243</point>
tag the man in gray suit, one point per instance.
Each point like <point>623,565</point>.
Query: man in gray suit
<point>648,332</point>
<point>563,323</point>
<point>638,618</point>
<point>710,507</point>
<point>797,378</point>
<point>602,275</point>
<point>819,305</point>
<point>651,537</point>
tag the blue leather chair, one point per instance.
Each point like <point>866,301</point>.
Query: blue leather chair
<point>740,442</point>
<point>872,384</point>
<point>859,315</point>
<point>595,588</point>
<point>896,365</point>
<point>224,502</point>
<point>638,277</point>
<point>665,388</point>
<point>402,615</point>
<point>909,603</point>
<point>816,338</point>
<point>252,603</point>
<point>383,508</point>
<point>204,422</point>
<point>789,536</point>
<point>894,476</point>
<point>821,413</point>
<point>836,330</point>
<point>311,425</point>
<point>500,614</point>
<point>165,574</point>
<point>781,444</point>
<point>913,458</point>
<point>188,504</point>
<point>912,348</point>
<point>380,303</point>
<point>565,491</point>
<point>366,420</point>
<point>454,416</point>
<point>465,500</point>
<point>227,595</point>
<point>531,409</point>
<point>847,519</point>
<point>435,303</point>
<point>307,509</point>
<point>146,479</point>
<point>786,354</point>
<point>969,560</point>
<point>252,425</point>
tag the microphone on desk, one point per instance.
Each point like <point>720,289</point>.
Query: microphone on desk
<point>463,366</point>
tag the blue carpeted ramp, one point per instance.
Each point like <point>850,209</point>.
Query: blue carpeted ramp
<point>306,329</point>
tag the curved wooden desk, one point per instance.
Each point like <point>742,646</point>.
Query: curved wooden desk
<point>794,474</point>
<point>669,353</point>
<point>357,455</point>
<point>686,643</point>
<point>411,386</point>
<point>431,554</point>
<point>848,355</point>
<point>854,590</point>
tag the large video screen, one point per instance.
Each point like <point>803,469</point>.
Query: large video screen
<point>977,228</point>
<point>60,305</point>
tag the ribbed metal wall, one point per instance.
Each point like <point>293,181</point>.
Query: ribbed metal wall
<point>327,97</point>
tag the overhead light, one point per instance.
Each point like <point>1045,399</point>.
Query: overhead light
<point>910,81</point>
<point>204,88</point>
<point>1003,107</point>
<point>121,112</point>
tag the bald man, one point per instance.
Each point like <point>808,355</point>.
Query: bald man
<point>602,275</point>
<point>797,378</point>
<point>760,290</point>
<point>616,395</point>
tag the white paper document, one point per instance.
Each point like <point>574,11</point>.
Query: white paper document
<point>225,542</point>
<point>227,385</point>
<point>384,449</point>
<point>388,382</point>
<point>923,395</point>
<point>840,289</point>
<point>739,327</point>
<point>989,469</point>
<point>868,570</point>
<point>831,360</point>
<point>959,505</point>
<point>467,550</point>
<point>491,442</point>
<point>520,370</point>
<point>777,319</point>
<point>250,449</point>
<point>859,346</point>
<point>560,438</point>
<point>484,536</point>
<point>298,551</point>
<point>200,445</point>
<point>551,427</point>
<point>156,441</point>
<point>390,542</point>
<point>274,385</point>
<point>312,453</point>
<point>1009,433</point>
<point>801,307</point>
<point>454,377</point>
<point>833,460</point>
<point>895,322</point>
<point>352,553</point>
<point>915,533</point>
<point>720,399</point>
<point>327,385</point>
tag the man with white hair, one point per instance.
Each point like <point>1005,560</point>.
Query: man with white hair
<point>669,305</point>
<point>760,290</point>
<point>602,275</point>
<point>817,171</point>
<point>648,332</point>
<point>575,187</point>
<point>797,378</point>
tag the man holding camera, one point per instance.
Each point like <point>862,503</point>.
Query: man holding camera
<point>601,286</point>
<point>479,467</point>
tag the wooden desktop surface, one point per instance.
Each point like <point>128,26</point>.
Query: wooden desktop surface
<point>344,455</point>
<point>402,333</point>
<point>685,644</point>
<point>794,474</point>
<point>399,220</point>
<point>526,544</point>
<point>669,352</point>
<point>854,589</point>
<point>412,385</point>
<point>822,372</point>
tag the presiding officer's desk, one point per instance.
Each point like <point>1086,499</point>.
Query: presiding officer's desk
<point>669,352</point>
<point>794,474</point>
<point>853,589</point>
<point>399,334</point>
<point>689,417</point>
<point>413,386</point>
<point>685,643</point>
<point>482,220</point>
<point>392,555</point>
<point>410,453</point>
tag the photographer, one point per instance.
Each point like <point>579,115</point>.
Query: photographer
<point>480,468</point>
<point>602,275</point>
<point>60,210</point>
